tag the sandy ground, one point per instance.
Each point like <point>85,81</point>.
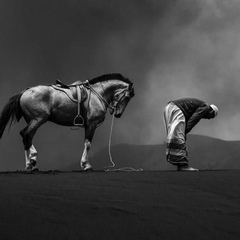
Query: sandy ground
<point>120,205</point>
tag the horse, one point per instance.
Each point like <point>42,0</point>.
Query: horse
<point>60,104</point>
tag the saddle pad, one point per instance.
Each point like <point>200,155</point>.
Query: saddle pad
<point>71,92</point>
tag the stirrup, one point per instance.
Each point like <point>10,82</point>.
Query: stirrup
<point>78,122</point>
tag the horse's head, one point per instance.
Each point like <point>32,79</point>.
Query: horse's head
<point>121,99</point>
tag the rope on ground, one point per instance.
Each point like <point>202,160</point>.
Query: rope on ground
<point>123,169</point>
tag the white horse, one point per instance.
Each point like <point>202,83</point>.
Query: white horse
<point>81,103</point>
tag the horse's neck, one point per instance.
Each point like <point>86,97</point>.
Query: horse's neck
<point>108,88</point>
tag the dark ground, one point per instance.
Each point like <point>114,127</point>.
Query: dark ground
<point>120,205</point>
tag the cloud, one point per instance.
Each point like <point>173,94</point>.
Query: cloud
<point>200,59</point>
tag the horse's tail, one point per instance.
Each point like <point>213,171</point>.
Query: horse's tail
<point>12,110</point>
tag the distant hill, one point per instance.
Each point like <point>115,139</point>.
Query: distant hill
<point>204,153</point>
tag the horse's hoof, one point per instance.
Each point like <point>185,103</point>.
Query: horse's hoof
<point>35,169</point>
<point>31,169</point>
<point>28,168</point>
<point>88,169</point>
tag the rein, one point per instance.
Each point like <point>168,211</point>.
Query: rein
<point>88,85</point>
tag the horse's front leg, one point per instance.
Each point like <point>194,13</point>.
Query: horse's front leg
<point>89,132</point>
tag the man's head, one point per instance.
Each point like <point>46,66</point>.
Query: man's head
<point>213,111</point>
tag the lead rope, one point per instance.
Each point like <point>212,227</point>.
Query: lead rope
<point>123,169</point>
<point>109,147</point>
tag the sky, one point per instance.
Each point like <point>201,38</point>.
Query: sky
<point>168,49</point>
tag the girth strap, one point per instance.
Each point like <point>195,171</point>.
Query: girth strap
<point>78,120</point>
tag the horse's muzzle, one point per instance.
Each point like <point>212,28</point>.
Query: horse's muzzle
<point>118,115</point>
<point>111,111</point>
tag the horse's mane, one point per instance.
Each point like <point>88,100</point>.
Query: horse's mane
<point>110,76</point>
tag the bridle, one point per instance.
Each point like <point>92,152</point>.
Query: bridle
<point>124,93</point>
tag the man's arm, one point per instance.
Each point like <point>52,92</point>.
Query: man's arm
<point>196,117</point>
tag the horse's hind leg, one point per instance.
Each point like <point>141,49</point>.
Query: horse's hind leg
<point>30,152</point>
<point>31,158</point>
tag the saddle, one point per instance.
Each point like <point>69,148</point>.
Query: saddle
<point>62,85</point>
<point>76,92</point>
